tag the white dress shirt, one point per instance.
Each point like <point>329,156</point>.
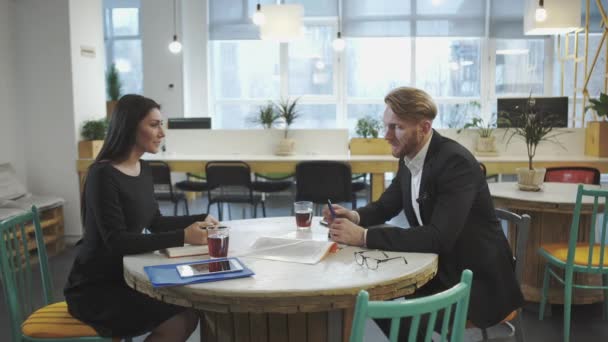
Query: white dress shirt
<point>415,165</point>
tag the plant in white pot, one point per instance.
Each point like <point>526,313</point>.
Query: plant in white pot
<point>288,114</point>
<point>367,142</point>
<point>533,127</point>
<point>486,142</point>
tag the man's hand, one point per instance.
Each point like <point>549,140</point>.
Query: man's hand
<point>344,231</point>
<point>340,212</point>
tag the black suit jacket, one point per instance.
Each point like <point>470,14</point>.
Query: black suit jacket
<point>460,225</point>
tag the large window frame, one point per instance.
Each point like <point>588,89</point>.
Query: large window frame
<point>110,38</point>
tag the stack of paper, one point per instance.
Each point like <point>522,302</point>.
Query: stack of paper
<point>291,250</point>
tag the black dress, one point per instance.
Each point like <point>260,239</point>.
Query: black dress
<point>117,207</point>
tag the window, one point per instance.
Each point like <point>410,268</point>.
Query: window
<point>443,50</point>
<point>123,42</point>
<point>519,67</point>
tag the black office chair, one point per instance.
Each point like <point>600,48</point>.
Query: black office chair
<point>318,181</point>
<point>358,183</point>
<point>193,183</point>
<point>269,183</point>
<point>229,177</point>
<point>573,174</point>
<point>521,223</point>
<point>163,187</point>
<point>484,170</point>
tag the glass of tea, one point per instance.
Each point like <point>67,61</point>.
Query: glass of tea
<point>218,238</point>
<point>303,212</point>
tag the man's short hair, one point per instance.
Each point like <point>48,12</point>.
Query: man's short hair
<point>411,104</point>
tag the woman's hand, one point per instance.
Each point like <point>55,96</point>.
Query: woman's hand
<point>196,233</point>
<point>211,221</point>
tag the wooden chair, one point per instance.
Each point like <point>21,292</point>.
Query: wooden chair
<point>443,302</point>
<point>52,322</point>
<point>578,257</point>
<point>522,228</point>
<point>573,174</point>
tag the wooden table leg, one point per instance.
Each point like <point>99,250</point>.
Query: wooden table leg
<point>377,185</point>
<point>332,326</point>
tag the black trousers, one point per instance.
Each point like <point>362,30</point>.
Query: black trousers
<point>432,287</point>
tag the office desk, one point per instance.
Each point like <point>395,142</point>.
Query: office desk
<point>376,165</point>
<point>551,211</point>
<point>284,301</point>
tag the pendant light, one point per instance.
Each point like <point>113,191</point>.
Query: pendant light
<point>258,17</point>
<point>175,46</point>
<point>541,13</point>
<point>339,44</point>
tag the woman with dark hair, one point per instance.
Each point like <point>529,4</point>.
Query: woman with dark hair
<point>118,203</point>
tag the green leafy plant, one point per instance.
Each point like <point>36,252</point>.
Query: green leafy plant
<point>266,116</point>
<point>368,126</point>
<point>288,112</point>
<point>94,129</point>
<point>114,84</point>
<point>533,127</point>
<point>485,129</point>
<point>599,105</point>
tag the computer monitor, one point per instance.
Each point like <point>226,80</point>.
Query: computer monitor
<point>190,123</point>
<point>556,106</point>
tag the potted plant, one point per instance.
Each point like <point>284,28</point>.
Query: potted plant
<point>93,133</point>
<point>368,142</point>
<point>533,127</point>
<point>486,142</point>
<point>288,114</point>
<point>266,116</point>
<point>596,132</point>
<point>113,88</point>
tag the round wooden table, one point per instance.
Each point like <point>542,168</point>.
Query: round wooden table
<point>551,210</point>
<point>284,301</point>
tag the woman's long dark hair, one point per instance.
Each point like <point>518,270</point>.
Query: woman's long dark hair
<point>120,139</point>
<point>128,113</point>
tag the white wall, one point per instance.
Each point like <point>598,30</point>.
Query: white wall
<point>161,68</point>
<point>195,37</point>
<point>88,79</point>
<point>11,142</point>
<point>57,88</point>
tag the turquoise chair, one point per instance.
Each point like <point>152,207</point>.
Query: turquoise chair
<point>416,308</point>
<point>577,257</point>
<point>52,322</point>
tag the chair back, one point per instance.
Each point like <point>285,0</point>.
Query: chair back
<point>17,269</point>
<point>318,181</point>
<point>522,228</point>
<point>228,173</point>
<point>584,175</point>
<point>161,177</point>
<point>595,260</point>
<point>444,302</point>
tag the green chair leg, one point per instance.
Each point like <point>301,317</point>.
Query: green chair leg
<point>543,294</point>
<point>605,283</point>
<point>567,304</point>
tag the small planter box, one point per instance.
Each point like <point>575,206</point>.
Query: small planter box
<point>89,149</point>
<point>369,146</point>
<point>596,139</point>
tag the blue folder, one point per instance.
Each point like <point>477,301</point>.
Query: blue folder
<point>167,275</point>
